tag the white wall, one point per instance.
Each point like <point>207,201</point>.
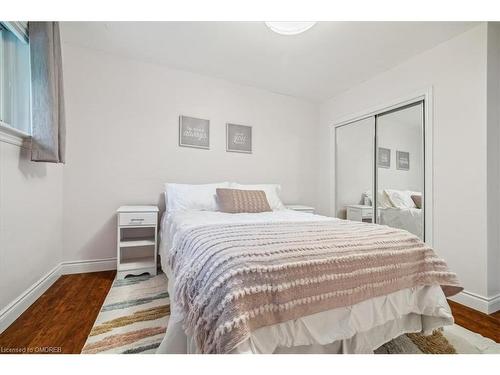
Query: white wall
<point>456,70</point>
<point>30,222</point>
<point>122,142</point>
<point>493,147</point>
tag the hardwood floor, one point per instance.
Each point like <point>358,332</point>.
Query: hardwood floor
<point>475,321</point>
<point>63,316</point>
<point>61,319</point>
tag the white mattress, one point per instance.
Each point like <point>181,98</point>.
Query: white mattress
<point>360,328</point>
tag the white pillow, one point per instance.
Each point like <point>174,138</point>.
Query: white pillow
<point>272,193</point>
<point>400,198</point>
<point>192,197</point>
<point>382,199</point>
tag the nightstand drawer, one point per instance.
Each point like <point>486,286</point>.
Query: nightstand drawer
<point>137,218</point>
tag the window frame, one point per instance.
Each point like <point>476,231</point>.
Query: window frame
<point>9,133</point>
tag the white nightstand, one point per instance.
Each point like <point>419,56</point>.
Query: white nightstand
<point>301,208</point>
<point>136,240</point>
<point>359,212</point>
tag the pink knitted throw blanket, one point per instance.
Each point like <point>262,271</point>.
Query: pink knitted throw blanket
<point>233,279</point>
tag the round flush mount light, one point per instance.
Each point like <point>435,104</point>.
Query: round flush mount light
<point>289,28</point>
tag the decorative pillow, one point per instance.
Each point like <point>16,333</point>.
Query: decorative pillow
<point>238,201</point>
<point>192,197</point>
<point>417,199</point>
<point>272,193</point>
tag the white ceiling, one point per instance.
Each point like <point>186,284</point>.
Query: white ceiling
<point>329,58</point>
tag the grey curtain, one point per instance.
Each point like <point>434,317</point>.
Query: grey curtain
<point>47,96</point>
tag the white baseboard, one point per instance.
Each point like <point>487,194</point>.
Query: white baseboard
<point>13,310</point>
<point>494,305</point>
<point>84,266</point>
<point>487,305</point>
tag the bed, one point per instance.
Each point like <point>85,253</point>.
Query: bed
<point>372,319</point>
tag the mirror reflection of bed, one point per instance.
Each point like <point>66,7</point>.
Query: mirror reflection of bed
<point>395,170</point>
<point>400,209</point>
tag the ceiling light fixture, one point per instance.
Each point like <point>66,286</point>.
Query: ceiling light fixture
<point>289,28</point>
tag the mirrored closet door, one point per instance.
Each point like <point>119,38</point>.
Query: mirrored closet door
<point>384,154</point>
<point>400,168</point>
<point>355,157</point>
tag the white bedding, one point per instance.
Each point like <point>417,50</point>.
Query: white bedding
<point>409,219</point>
<point>360,328</point>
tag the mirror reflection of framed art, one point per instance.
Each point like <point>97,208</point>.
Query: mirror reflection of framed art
<point>403,160</point>
<point>384,157</point>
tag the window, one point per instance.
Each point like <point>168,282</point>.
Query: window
<point>14,78</point>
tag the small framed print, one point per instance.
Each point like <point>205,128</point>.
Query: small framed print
<point>384,157</point>
<point>194,132</point>
<point>403,160</point>
<point>238,138</point>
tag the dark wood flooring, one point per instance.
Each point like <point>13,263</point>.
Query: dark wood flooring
<point>64,315</point>
<point>61,319</point>
<point>475,321</point>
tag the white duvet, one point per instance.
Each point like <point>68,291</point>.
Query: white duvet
<point>359,328</point>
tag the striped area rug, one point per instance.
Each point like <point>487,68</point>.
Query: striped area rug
<point>133,318</point>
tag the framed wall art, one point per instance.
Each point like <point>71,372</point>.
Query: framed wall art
<point>194,132</point>
<point>238,138</point>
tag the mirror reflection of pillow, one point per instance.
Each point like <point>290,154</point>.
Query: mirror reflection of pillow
<point>383,200</point>
<point>417,199</point>
<point>400,198</point>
